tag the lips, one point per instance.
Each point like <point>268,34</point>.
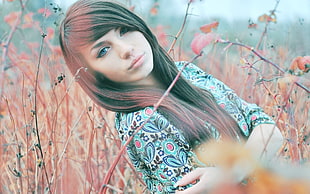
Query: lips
<point>137,62</point>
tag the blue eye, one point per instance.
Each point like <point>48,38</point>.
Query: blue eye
<point>123,30</point>
<point>102,52</point>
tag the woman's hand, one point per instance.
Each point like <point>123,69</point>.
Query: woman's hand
<point>207,177</point>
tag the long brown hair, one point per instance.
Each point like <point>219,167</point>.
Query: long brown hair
<point>187,107</point>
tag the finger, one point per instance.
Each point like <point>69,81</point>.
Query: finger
<point>190,177</point>
<point>200,187</point>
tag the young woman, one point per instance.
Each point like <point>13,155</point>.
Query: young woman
<point>128,71</point>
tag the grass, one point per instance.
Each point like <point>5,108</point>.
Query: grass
<point>77,138</point>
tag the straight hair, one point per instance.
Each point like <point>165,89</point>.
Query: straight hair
<point>187,107</point>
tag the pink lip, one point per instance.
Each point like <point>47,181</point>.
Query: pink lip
<point>137,62</point>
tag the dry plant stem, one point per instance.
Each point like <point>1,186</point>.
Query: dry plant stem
<point>67,143</point>
<point>90,151</point>
<point>70,131</point>
<point>8,42</point>
<point>39,146</point>
<point>17,171</point>
<point>111,169</point>
<point>181,29</point>
<point>264,59</point>
<point>266,26</point>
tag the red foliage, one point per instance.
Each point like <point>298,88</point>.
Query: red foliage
<point>202,40</point>
<point>208,27</point>
<point>301,64</point>
<point>154,9</point>
<point>11,18</point>
<point>161,35</point>
<point>47,12</point>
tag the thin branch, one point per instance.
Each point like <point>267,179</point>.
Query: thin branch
<point>181,29</point>
<point>272,13</point>
<point>263,59</point>
<point>43,35</point>
<point>36,111</point>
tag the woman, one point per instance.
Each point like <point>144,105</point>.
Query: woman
<point>127,72</point>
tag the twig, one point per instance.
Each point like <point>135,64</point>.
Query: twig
<point>111,169</point>
<point>181,29</point>
<point>263,59</point>
<point>43,35</point>
<point>272,12</point>
<point>74,126</point>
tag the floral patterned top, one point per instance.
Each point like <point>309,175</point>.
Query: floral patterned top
<point>160,152</point>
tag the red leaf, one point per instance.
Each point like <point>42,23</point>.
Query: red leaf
<point>154,9</point>
<point>267,18</point>
<point>208,27</point>
<point>161,35</point>
<point>50,33</point>
<point>47,12</point>
<point>11,18</point>
<point>301,63</point>
<point>202,40</point>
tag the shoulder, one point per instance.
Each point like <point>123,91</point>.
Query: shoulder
<point>191,71</point>
<point>200,78</point>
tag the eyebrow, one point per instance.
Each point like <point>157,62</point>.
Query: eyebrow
<point>99,44</point>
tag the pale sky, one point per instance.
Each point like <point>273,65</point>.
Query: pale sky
<point>229,9</point>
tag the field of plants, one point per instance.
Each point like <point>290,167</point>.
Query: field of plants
<point>54,139</point>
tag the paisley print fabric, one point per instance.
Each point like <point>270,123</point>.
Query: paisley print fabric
<point>160,152</point>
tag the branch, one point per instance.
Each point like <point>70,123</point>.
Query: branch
<point>39,146</point>
<point>263,59</point>
<point>272,13</point>
<point>181,29</point>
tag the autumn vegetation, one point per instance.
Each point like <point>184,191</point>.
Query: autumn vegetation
<point>54,139</point>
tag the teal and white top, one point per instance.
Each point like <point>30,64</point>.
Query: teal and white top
<point>160,152</point>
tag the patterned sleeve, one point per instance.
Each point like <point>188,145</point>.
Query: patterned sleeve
<point>158,151</point>
<point>247,115</point>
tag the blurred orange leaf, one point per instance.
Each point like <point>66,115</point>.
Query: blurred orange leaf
<point>132,8</point>
<point>300,64</point>
<point>11,18</point>
<point>202,40</point>
<point>267,18</point>
<point>154,9</point>
<point>47,12</point>
<point>28,20</point>
<point>208,27</point>
<point>28,17</point>
<point>161,35</point>
<point>50,33</point>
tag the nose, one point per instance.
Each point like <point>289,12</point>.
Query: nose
<point>125,50</point>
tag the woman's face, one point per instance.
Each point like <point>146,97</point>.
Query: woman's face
<point>121,56</point>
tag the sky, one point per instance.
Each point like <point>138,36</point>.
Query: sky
<point>229,9</point>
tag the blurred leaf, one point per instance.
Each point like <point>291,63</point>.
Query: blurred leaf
<point>300,64</point>
<point>208,27</point>
<point>11,18</point>
<point>154,9</point>
<point>267,18</point>
<point>200,41</point>
<point>161,35</point>
<point>47,12</point>
<point>28,21</point>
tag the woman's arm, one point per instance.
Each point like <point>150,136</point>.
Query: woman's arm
<point>264,142</point>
